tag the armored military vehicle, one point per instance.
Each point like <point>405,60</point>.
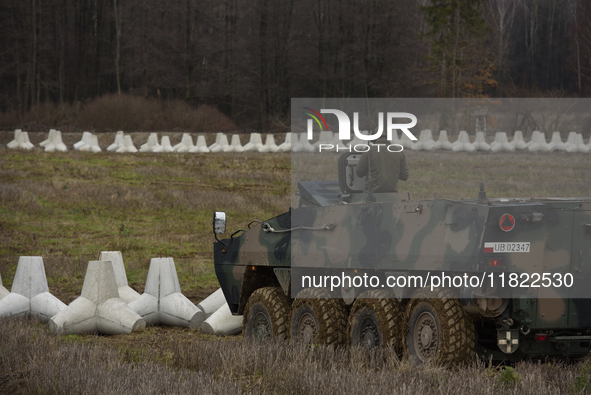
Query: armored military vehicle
<point>438,279</point>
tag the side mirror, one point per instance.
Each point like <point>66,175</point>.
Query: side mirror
<point>219,222</point>
<point>349,182</point>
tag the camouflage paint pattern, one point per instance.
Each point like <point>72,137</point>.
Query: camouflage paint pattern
<point>394,235</point>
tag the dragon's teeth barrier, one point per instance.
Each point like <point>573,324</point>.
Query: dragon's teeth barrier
<point>99,308</point>
<point>162,302</point>
<point>29,294</point>
<point>222,322</point>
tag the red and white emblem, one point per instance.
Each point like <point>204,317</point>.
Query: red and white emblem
<point>507,222</point>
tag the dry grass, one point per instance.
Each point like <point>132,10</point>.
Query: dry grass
<point>437,174</point>
<point>33,361</point>
<point>67,207</point>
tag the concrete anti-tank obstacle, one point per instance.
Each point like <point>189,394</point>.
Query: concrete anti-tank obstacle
<point>458,145</point>
<point>286,145</point>
<point>425,142</point>
<point>296,145</point>
<point>56,143</point>
<point>468,146</point>
<point>151,145</point>
<point>582,147</point>
<point>571,143</point>
<point>126,293</point>
<point>501,143</point>
<point>98,308</point>
<point>181,143</point>
<point>416,145</point>
<point>201,146</point>
<point>162,301</point>
<point>29,294</point>
<point>326,137</point>
<point>210,305</point>
<point>3,291</point>
<point>544,146</point>
<point>497,144</point>
<point>235,145</point>
<point>118,143</point>
<point>221,141</point>
<point>94,145</point>
<point>83,142</point>
<point>185,145</point>
<point>216,142</point>
<point>254,143</point>
<point>87,146</point>
<point>534,142</point>
<point>538,142</point>
<point>49,143</point>
<point>578,144</point>
<point>443,141</point>
<point>14,143</point>
<point>127,146</point>
<point>428,142</point>
<point>49,138</point>
<point>262,147</point>
<point>405,141</point>
<point>480,142</point>
<point>270,144</point>
<point>89,143</point>
<point>303,145</point>
<point>306,144</point>
<point>165,144</point>
<point>24,142</point>
<point>556,143</point>
<point>518,141</point>
<point>223,323</point>
<point>570,140</point>
<point>463,143</point>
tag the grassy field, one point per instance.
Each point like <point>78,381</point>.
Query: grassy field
<point>67,207</point>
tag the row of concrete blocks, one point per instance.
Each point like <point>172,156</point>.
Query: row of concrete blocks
<point>108,305</point>
<point>329,141</point>
<point>537,142</point>
<point>574,143</point>
<point>221,144</point>
<point>124,143</point>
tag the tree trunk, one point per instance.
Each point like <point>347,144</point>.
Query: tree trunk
<point>117,44</point>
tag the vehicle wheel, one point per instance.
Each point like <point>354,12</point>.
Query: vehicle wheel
<point>316,318</point>
<point>375,321</point>
<point>266,314</point>
<point>439,329</point>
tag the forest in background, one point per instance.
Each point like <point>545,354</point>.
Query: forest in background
<point>249,58</point>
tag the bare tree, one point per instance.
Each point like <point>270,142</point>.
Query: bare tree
<point>502,16</point>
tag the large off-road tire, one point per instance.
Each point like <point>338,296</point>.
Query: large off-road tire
<point>317,319</point>
<point>439,330</point>
<point>266,314</point>
<point>375,320</point>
